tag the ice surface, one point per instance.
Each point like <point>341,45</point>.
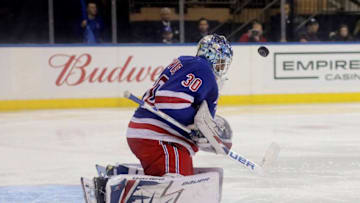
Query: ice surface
<point>41,194</point>
<point>44,153</point>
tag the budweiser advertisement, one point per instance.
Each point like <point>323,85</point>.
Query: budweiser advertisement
<point>75,70</point>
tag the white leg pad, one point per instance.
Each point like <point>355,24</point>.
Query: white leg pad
<point>205,186</point>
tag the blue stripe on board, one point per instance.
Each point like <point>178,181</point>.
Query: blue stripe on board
<point>42,194</point>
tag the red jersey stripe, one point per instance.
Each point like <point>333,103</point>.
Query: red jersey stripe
<point>164,99</point>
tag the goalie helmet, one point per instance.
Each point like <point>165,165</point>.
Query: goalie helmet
<point>217,50</point>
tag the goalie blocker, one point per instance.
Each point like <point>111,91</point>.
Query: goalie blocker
<point>204,186</point>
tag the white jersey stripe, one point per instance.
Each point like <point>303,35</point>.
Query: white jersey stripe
<point>166,157</point>
<point>156,123</point>
<point>168,93</point>
<point>172,105</point>
<point>152,135</point>
<point>176,160</point>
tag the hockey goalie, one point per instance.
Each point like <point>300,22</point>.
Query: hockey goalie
<point>187,91</point>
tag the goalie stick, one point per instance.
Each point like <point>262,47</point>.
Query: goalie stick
<point>270,155</point>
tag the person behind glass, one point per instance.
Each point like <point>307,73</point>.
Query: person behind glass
<point>255,34</point>
<point>356,32</point>
<point>203,30</point>
<point>165,16</point>
<point>311,33</point>
<point>92,27</point>
<point>341,35</point>
<point>168,36</point>
<point>276,25</point>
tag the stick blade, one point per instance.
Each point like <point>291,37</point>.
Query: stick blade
<point>271,155</point>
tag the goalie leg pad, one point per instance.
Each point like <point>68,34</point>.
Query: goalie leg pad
<point>203,187</point>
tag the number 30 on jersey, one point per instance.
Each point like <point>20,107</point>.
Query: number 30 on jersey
<point>192,82</point>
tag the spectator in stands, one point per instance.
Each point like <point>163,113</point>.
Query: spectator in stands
<point>311,33</point>
<point>255,34</point>
<point>92,27</point>
<point>165,16</point>
<point>203,30</point>
<point>168,36</point>
<point>341,35</point>
<point>276,25</point>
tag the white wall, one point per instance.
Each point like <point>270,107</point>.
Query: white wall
<point>40,72</point>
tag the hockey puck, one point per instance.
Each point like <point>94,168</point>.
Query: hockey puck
<point>263,51</point>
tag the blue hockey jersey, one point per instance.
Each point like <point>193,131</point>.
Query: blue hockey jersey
<point>179,91</point>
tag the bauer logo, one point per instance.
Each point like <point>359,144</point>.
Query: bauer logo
<point>242,160</point>
<point>325,66</point>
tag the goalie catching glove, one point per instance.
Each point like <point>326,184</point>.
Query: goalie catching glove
<point>205,125</point>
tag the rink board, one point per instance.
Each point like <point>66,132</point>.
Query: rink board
<point>43,77</point>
